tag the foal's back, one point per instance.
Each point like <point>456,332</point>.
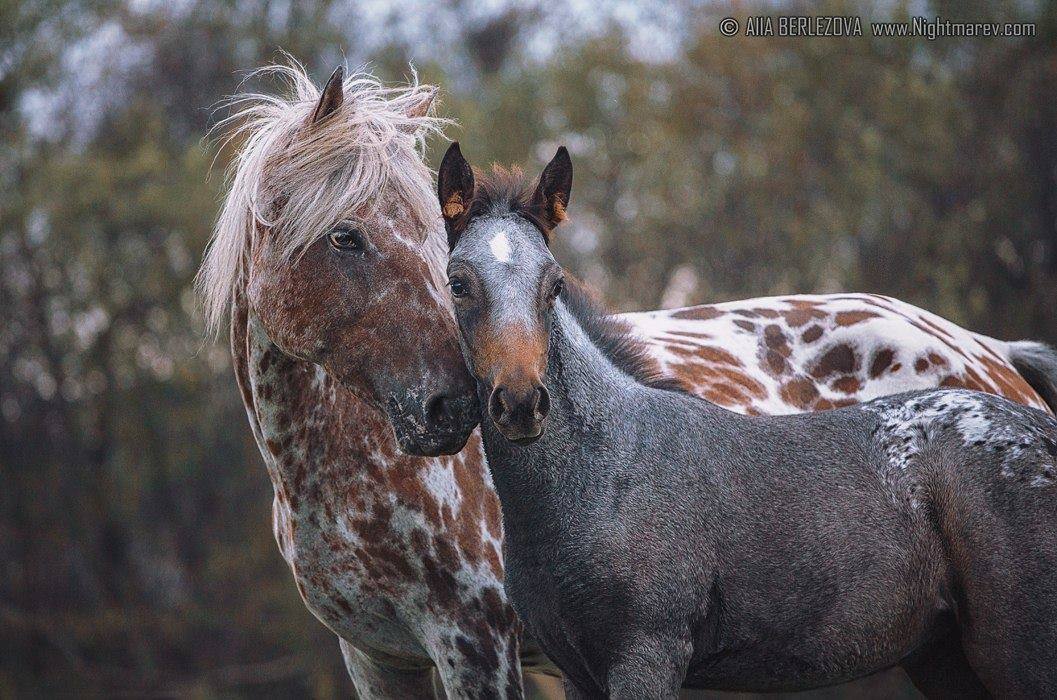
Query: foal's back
<point>834,543</point>
<point>903,447</point>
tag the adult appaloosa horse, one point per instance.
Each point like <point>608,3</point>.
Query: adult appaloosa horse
<point>329,256</point>
<point>655,539</point>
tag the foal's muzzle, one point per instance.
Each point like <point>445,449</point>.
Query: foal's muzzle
<point>519,412</point>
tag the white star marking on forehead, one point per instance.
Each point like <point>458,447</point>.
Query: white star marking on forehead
<point>500,246</point>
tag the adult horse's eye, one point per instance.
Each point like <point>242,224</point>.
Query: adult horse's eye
<point>346,238</point>
<point>459,288</point>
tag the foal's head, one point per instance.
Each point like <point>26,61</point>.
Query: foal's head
<point>331,235</point>
<point>504,281</point>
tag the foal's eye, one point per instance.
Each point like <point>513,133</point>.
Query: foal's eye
<point>346,238</point>
<point>557,289</point>
<point>458,288</point>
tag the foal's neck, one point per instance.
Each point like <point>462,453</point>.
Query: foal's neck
<point>589,399</point>
<point>590,385</point>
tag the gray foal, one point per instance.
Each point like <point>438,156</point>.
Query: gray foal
<point>655,540</point>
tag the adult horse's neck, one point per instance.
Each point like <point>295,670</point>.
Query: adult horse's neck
<point>280,392</point>
<point>324,447</point>
<point>321,444</point>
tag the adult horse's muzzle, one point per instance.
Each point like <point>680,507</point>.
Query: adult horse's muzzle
<point>428,424</point>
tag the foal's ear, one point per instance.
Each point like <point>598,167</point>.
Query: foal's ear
<point>455,188</point>
<point>332,97</point>
<point>555,186</point>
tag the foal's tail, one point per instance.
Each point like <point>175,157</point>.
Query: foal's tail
<point>1037,363</point>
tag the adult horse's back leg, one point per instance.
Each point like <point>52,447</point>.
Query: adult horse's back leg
<point>941,671</point>
<point>377,679</point>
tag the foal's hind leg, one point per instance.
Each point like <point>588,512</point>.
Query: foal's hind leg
<point>1004,549</point>
<point>1011,638</point>
<point>374,679</point>
<point>941,671</point>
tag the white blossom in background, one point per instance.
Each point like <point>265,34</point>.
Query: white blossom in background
<point>681,287</point>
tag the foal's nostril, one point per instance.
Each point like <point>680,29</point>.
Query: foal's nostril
<point>496,405</point>
<point>519,410</point>
<point>543,403</point>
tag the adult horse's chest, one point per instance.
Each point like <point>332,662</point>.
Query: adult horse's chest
<point>338,531</point>
<point>330,570</point>
<point>329,525</point>
<point>386,549</point>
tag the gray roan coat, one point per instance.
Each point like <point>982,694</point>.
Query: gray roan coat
<point>655,540</point>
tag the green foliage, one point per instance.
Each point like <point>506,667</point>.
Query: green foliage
<point>136,552</point>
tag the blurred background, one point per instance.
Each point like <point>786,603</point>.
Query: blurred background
<point>136,554</point>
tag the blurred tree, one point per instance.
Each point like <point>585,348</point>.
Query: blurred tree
<point>136,552</point>
<point>123,440</point>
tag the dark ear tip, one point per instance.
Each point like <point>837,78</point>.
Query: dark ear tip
<point>331,96</point>
<point>453,151</point>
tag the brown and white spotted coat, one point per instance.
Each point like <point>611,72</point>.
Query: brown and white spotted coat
<point>328,257</point>
<point>814,352</point>
<point>400,556</point>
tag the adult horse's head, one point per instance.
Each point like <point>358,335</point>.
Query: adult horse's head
<point>331,232</point>
<point>504,281</point>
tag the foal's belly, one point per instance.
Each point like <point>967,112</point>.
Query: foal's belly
<point>783,671</point>
<point>816,652</point>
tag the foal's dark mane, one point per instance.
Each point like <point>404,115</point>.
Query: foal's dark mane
<point>614,338</point>
<point>504,191</point>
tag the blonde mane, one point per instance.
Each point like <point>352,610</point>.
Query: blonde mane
<point>320,173</point>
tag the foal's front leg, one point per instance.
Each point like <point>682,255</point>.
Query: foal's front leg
<point>574,692</point>
<point>650,667</point>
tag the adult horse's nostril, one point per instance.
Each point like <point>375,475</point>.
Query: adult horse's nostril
<point>439,425</point>
<point>440,410</point>
<point>497,407</point>
<point>543,403</point>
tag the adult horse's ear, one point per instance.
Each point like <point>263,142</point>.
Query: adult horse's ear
<point>455,187</point>
<point>426,94</point>
<point>332,97</point>
<point>555,186</point>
